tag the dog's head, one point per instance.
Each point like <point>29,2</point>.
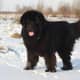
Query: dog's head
<point>32,21</point>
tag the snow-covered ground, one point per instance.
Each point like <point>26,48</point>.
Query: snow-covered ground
<point>13,58</point>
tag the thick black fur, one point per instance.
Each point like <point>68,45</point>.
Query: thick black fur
<point>49,37</point>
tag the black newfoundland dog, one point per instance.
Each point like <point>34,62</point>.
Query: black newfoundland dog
<point>44,38</point>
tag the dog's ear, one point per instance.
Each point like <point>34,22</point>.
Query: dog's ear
<point>40,18</point>
<point>22,20</point>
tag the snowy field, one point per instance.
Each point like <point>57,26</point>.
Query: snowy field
<point>13,58</point>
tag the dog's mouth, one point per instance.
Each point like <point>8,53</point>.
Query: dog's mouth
<point>31,34</point>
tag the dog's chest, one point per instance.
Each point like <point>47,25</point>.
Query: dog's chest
<point>42,45</point>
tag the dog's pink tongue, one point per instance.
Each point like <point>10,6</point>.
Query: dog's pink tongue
<point>31,33</point>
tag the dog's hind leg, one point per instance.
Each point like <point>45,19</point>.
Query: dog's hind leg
<point>66,58</point>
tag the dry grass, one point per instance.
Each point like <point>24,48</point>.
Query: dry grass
<point>16,35</point>
<point>2,48</point>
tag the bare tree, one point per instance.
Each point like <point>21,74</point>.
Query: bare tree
<point>23,9</point>
<point>1,3</point>
<point>76,7</point>
<point>65,10</point>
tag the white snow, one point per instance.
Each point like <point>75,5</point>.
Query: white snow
<point>13,59</point>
